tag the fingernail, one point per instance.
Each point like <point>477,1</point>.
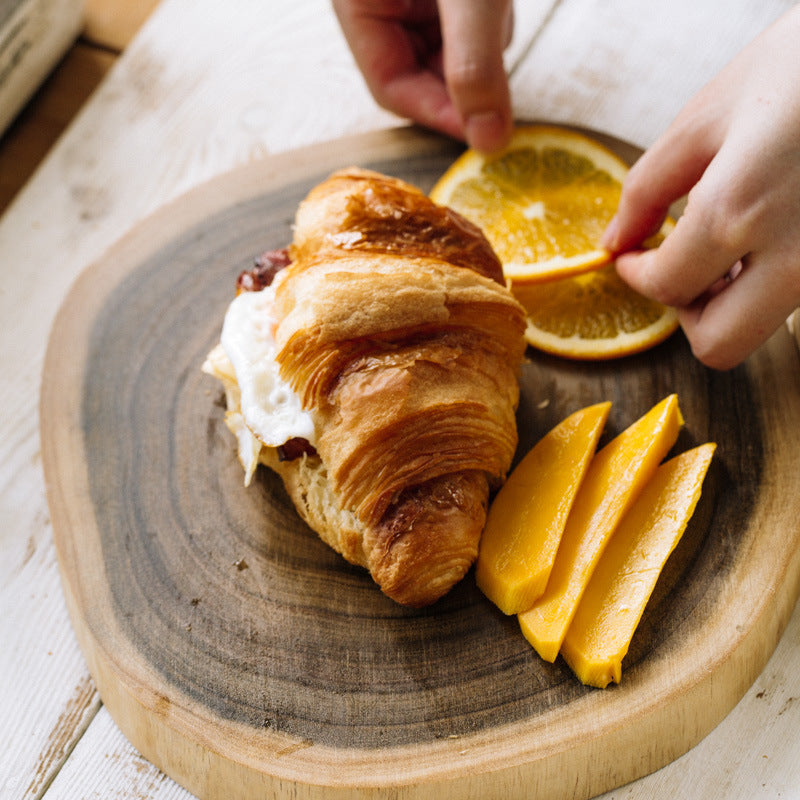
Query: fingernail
<point>610,238</point>
<point>486,131</point>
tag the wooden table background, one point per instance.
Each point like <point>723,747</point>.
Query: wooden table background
<point>135,116</point>
<point>108,27</point>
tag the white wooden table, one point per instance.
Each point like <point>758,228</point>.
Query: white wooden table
<point>207,86</point>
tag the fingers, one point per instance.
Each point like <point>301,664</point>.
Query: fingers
<point>422,97</point>
<point>665,173</point>
<point>441,66</point>
<point>732,273</point>
<point>474,35</point>
<point>726,328</point>
<point>705,244</point>
<point>735,313</point>
<point>731,266</point>
<point>398,50</point>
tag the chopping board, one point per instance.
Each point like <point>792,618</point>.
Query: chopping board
<point>246,659</point>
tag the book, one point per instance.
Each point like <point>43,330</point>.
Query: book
<point>34,36</point>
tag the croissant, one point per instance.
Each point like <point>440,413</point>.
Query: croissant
<point>393,348</point>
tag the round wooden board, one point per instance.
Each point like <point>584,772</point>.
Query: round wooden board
<point>246,659</point>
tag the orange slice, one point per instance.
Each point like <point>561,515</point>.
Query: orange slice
<point>543,202</point>
<point>593,316</point>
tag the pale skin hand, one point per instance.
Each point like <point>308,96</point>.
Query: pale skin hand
<point>735,149</point>
<point>732,265</point>
<point>459,88</point>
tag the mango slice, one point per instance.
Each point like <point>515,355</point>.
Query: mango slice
<point>615,477</point>
<point>527,517</point>
<point>626,574</point>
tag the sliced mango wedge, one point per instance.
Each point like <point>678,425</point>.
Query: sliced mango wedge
<point>527,517</point>
<point>626,574</point>
<point>614,479</point>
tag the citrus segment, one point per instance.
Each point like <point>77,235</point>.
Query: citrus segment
<point>593,316</point>
<point>616,476</point>
<point>543,202</point>
<point>528,515</point>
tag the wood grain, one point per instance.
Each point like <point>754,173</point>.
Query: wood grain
<point>235,650</point>
<point>627,70</point>
<point>192,96</point>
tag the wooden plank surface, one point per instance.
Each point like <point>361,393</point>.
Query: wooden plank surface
<point>163,121</point>
<point>90,189</point>
<point>188,650</point>
<point>108,28</point>
<point>627,70</point>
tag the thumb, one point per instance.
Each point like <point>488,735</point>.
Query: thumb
<point>474,35</point>
<point>666,172</point>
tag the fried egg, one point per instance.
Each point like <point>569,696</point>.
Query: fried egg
<point>268,411</point>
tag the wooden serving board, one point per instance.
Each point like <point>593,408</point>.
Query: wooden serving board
<point>246,659</point>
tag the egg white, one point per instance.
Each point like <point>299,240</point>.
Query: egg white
<point>263,410</point>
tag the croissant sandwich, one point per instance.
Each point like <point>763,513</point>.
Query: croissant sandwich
<point>373,365</point>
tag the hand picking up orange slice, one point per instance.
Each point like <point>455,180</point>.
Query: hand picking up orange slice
<point>615,477</point>
<point>594,316</point>
<point>543,202</point>
<point>528,515</point>
<point>626,574</point>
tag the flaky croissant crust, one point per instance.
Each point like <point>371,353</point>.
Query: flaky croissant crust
<point>395,327</point>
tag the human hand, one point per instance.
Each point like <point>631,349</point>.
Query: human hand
<point>732,264</point>
<point>440,64</point>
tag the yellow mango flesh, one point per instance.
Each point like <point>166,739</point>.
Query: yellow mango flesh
<point>615,477</point>
<point>528,515</point>
<point>626,574</point>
